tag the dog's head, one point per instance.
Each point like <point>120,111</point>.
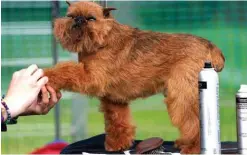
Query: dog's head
<point>85,26</point>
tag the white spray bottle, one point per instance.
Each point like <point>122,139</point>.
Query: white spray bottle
<point>209,110</point>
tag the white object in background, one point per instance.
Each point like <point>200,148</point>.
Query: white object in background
<point>209,110</point>
<point>241,112</point>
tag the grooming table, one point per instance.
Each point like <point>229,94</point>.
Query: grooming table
<point>95,145</point>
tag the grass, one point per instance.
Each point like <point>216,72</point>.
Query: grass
<point>149,115</point>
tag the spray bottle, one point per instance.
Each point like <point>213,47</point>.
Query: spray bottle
<point>241,107</point>
<point>209,110</point>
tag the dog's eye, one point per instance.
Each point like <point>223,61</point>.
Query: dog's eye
<point>91,18</point>
<point>70,16</point>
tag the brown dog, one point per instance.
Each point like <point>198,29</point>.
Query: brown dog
<point>118,64</point>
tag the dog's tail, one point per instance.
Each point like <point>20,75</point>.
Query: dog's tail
<point>217,58</point>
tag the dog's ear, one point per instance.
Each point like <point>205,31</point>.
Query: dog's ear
<point>69,3</point>
<point>106,11</point>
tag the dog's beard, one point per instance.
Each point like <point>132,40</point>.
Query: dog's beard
<point>74,34</point>
<point>74,39</point>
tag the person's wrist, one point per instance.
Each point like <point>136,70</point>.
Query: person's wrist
<point>4,113</point>
<point>14,106</point>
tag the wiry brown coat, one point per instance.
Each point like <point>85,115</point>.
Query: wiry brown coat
<point>118,63</point>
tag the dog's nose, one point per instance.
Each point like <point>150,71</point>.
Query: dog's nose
<point>80,20</point>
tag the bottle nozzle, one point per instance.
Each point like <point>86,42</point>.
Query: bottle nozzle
<point>207,64</point>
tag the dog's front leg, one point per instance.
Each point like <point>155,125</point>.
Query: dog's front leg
<point>118,127</point>
<point>70,76</point>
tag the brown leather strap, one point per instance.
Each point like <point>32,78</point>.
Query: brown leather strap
<point>149,144</point>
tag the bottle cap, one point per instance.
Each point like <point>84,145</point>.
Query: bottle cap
<point>243,88</point>
<point>207,64</point>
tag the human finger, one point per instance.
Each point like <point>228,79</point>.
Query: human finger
<point>42,81</point>
<point>53,95</point>
<point>59,95</point>
<point>31,69</point>
<point>22,71</point>
<point>45,95</point>
<point>37,74</point>
<point>18,73</point>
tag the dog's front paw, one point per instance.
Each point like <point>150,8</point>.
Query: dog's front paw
<point>120,144</point>
<point>53,79</point>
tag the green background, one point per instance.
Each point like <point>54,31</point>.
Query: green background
<point>224,23</point>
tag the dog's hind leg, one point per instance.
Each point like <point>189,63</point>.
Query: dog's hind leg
<point>182,104</point>
<point>118,127</point>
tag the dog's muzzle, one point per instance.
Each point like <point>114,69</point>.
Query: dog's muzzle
<point>79,21</point>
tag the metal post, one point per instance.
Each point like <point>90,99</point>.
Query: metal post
<point>79,108</point>
<point>55,14</point>
<point>103,3</point>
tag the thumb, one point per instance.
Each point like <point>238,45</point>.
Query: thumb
<point>42,81</point>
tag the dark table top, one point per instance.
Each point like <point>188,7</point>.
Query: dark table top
<point>95,145</point>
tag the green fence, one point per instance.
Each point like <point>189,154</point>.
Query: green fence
<point>26,39</point>
<point>224,23</point>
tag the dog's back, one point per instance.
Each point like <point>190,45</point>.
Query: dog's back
<point>172,48</point>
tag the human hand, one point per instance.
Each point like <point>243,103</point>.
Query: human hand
<point>44,103</point>
<point>24,89</point>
